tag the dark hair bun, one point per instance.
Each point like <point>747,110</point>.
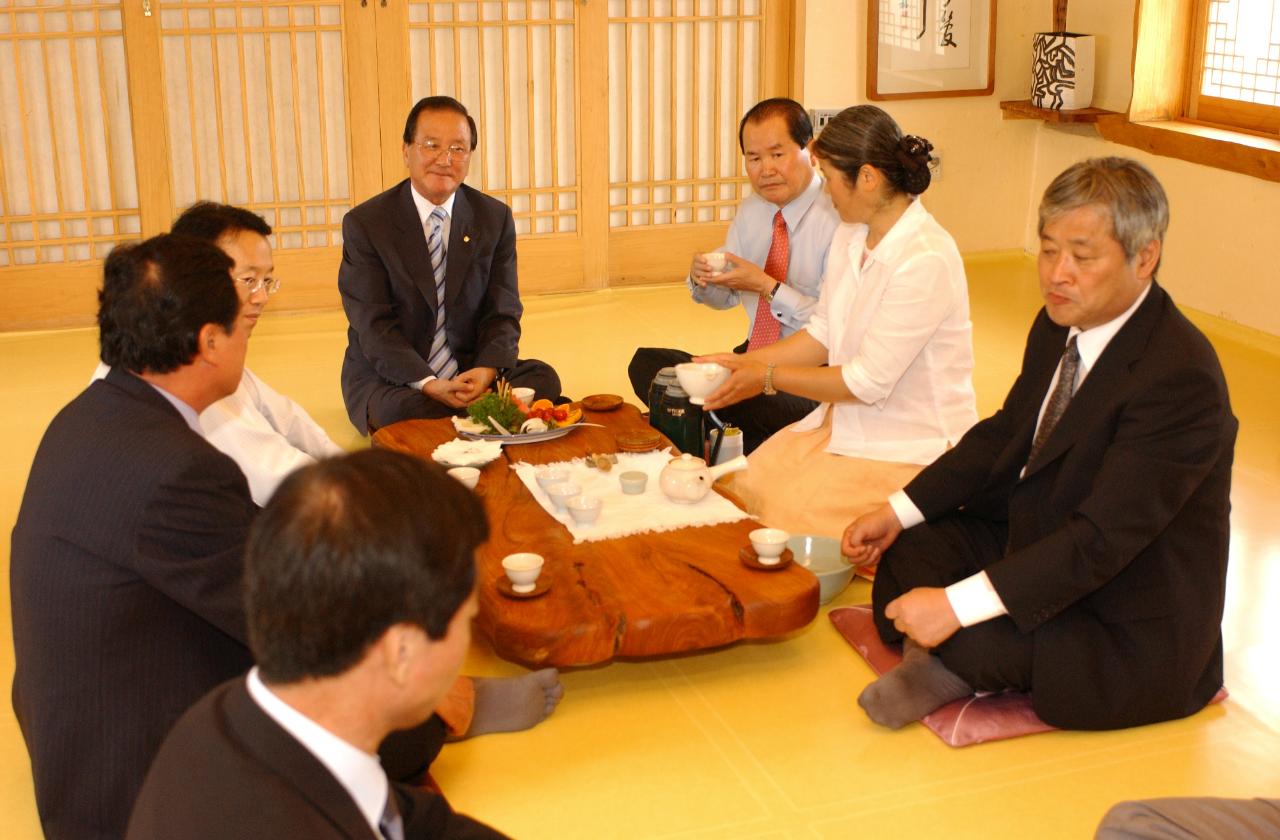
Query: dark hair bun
<point>913,154</point>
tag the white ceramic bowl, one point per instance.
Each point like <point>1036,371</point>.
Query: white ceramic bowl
<point>768,543</point>
<point>633,482</point>
<point>524,395</point>
<point>522,570</point>
<point>584,509</point>
<point>469,476</point>
<point>715,259</point>
<point>561,493</point>
<point>821,555</point>
<point>547,476</point>
<point>699,379</point>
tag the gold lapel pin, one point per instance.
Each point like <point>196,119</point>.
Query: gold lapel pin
<point>466,239</point>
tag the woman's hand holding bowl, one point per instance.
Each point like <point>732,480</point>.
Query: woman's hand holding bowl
<point>745,381</point>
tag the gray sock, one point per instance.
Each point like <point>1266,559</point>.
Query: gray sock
<point>919,685</point>
<point>514,703</point>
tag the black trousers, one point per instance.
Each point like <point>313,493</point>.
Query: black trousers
<point>393,403</point>
<point>758,417</point>
<point>407,754</point>
<point>990,656</point>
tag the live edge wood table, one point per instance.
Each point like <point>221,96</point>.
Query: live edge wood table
<point>639,596</point>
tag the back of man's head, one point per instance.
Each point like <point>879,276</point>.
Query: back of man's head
<point>349,547</point>
<point>156,297</point>
<point>210,221</point>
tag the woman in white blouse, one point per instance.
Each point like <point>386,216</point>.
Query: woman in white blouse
<point>888,351</point>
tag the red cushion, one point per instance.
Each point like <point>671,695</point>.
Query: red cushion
<point>969,720</point>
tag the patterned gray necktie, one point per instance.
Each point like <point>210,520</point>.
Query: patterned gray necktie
<point>1060,398</point>
<point>440,359</point>
<point>391,826</point>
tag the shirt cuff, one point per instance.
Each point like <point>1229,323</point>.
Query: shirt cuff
<point>417,386</point>
<point>905,509</point>
<point>787,298</point>
<point>975,600</point>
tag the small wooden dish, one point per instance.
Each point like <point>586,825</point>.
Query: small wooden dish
<point>601,402</point>
<point>751,560</point>
<point>639,441</point>
<point>540,588</point>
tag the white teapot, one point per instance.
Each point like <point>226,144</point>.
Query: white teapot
<point>687,479</point>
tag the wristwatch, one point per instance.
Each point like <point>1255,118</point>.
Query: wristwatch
<point>769,390</point>
<point>769,297</point>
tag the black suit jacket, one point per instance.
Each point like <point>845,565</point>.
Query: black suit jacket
<point>389,294</point>
<point>229,770</point>
<point>125,580</point>
<point>1118,531</point>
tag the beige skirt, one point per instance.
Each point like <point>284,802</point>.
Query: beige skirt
<point>794,484</point>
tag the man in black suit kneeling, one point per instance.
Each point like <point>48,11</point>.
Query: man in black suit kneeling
<point>1073,544</point>
<point>360,581</point>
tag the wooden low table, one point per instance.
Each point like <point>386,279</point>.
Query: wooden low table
<point>643,595</point>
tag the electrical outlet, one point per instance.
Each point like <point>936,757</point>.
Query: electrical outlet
<point>935,165</point>
<point>821,116</point>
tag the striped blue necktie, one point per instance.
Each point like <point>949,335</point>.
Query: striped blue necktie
<point>441,360</point>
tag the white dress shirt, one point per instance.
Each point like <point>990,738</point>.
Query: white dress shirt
<point>357,771</point>
<point>425,208</point>
<point>898,328</point>
<point>811,222</point>
<point>974,599</point>
<point>267,434</point>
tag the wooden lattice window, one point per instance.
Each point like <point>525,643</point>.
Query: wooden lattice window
<point>1235,66</point>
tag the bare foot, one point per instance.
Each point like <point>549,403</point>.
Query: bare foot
<point>912,690</point>
<point>510,704</point>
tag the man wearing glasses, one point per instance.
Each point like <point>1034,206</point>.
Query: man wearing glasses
<point>428,282</point>
<point>267,434</point>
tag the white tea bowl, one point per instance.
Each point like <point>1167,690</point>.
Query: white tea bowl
<point>561,494</point>
<point>584,509</point>
<point>524,395</point>
<point>715,259</point>
<point>769,544</point>
<point>469,476</point>
<point>547,476</point>
<point>700,379</point>
<point>522,570</point>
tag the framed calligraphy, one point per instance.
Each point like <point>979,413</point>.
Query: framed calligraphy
<point>925,48</point>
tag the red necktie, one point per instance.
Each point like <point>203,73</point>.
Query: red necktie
<point>766,330</point>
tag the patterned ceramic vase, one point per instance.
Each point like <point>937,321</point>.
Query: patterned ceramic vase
<point>1062,70</point>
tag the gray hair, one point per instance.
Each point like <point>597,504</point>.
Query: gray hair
<point>1126,189</point>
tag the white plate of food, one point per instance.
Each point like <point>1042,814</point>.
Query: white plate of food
<point>500,417</point>
<point>460,452</point>
<point>523,437</point>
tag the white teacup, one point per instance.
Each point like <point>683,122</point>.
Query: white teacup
<point>715,259</point>
<point>769,544</point>
<point>633,482</point>
<point>469,476</point>
<point>700,379</point>
<point>584,509</point>
<point>524,395</point>
<point>522,570</point>
<point>547,476</point>
<point>561,494</point>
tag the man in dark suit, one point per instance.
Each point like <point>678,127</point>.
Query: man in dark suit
<point>360,581</point>
<point>126,561</point>
<point>428,282</point>
<point>1074,544</point>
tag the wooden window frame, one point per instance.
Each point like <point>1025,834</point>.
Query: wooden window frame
<point>1164,47</point>
<point>1219,111</point>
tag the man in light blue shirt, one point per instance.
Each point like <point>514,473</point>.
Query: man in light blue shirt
<point>784,228</point>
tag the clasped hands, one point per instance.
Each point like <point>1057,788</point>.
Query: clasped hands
<point>743,276</point>
<point>462,389</point>
<point>923,614</point>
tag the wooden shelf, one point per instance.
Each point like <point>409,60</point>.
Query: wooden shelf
<point>1022,109</point>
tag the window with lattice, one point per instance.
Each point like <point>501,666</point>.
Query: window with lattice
<point>1236,65</point>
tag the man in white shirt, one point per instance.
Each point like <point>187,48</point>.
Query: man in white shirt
<point>1074,544</point>
<point>360,591</point>
<point>784,228</point>
<point>267,434</point>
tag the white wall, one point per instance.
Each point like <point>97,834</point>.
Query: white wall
<point>1220,254</point>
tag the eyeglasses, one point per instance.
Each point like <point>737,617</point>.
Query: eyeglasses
<point>432,150</point>
<point>252,285</point>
